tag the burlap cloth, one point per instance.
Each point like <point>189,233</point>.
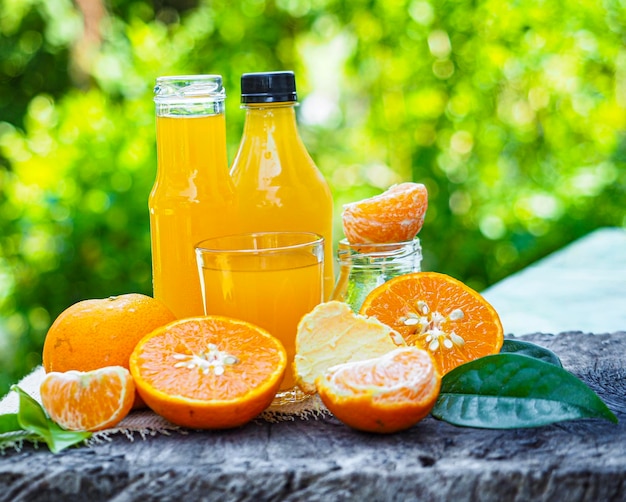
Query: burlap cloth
<point>147,423</point>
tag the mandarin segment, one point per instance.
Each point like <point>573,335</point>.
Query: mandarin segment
<point>385,394</point>
<point>396,215</point>
<point>440,314</point>
<point>208,372</point>
<point>96,333</point>
<point>88,401</point>
<point>332,334</point>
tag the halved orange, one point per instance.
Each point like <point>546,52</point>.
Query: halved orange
<point>385,394</point>
<point>439,314</point>
<point>396,215</point>
<point>88,400</point>
<point>332,334</point>
<point>208,372</point>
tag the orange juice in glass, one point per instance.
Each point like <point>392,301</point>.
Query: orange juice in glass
<point>192,196</point>
<point>270,279</point>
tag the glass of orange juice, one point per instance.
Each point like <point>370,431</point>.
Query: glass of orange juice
<point>270,279</point>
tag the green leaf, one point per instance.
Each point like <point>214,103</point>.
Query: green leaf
<point>33,418</point>
<point>506,391</point>
<point>9,423</point>
<point>11,432</point>
<point>62,438</point>
<point>531,350</point>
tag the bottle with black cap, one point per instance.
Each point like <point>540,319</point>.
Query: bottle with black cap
<point>278,185</point>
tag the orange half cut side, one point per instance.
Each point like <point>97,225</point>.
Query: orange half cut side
<point>439,314</point>
<point>208,372</point>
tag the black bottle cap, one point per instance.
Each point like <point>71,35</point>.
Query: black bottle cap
<point>268,87</point>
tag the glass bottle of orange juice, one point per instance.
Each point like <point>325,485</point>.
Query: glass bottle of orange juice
<point>192,196</point>
<point>279,187</point>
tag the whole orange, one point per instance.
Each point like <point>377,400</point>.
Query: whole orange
<point>92,334</point>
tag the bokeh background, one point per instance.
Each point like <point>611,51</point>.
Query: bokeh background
<point>513,114</point>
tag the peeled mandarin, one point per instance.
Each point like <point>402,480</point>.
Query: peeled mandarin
<point>332,334</point>
<point>396,215</point>
<point>88,400</point>
<point>384,394</point>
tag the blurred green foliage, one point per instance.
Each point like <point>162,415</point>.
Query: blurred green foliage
<point>512,113</point>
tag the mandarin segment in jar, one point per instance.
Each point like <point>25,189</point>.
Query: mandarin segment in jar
<point>396,215</point>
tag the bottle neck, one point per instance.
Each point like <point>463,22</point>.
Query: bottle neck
<point>191,156</point>
<point>190,108</point>
<point>191,136</point>
<point>270,118</point>
<point>189,96</point>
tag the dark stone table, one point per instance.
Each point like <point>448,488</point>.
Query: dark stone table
<point>324,460</point>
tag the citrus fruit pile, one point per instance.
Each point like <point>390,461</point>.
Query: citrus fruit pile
<point>378,370</point>
<point>207,372</point>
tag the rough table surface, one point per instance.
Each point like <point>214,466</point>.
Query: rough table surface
<point>324,460</point>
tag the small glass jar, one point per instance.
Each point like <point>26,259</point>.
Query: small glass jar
<point>363,267</point>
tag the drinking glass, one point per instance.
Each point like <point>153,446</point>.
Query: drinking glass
<point>270,279</point>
